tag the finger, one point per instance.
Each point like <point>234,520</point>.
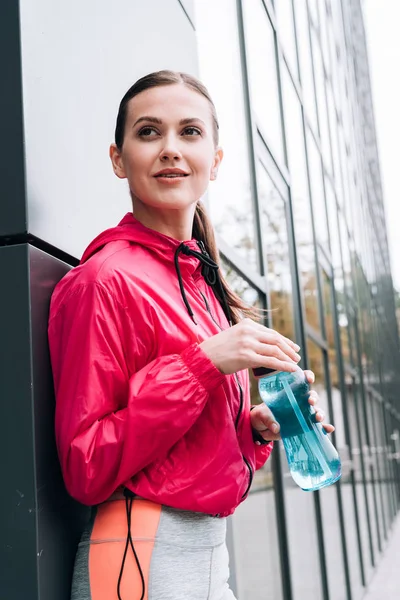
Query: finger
<point>328,427</point>
<point>319,416</point>
<point>262,419</point>
<point>269,436</point>
<point>275,339</point>
<point>313,398</point>
<point>309,376</point>
<point>275,351</point>
<point>288,341</point>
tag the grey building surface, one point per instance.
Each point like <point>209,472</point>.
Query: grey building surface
<point>299,214</point>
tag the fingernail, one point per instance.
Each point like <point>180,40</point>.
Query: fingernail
<point>298,357</point>
<point>275,428</point>
<point>296,347</point>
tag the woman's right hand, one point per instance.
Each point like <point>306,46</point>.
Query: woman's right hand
<point>250,345</point>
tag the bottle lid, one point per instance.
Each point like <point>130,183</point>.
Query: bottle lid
<point>263,371</point>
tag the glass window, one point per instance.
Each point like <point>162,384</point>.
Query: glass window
<point>317,191</point>
<point>257,564</point>
<point>328,496</point>
<point>261,56</point>
<point>300,199</point>
<point>258,571</point>
<point>323,34</point>
<point>302,538</point>
<point>284,13</point>
<point>306,70</point>
<point>321,101</point>
<point>230,202</point>
<point>275,238</point>
<point>313,7</point>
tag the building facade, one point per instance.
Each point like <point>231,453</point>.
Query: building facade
<point>299,211</point>
<point>299,215</point>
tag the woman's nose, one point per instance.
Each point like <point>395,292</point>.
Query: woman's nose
<point>170,151</point>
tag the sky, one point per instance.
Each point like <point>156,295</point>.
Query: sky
<point>382,23</point>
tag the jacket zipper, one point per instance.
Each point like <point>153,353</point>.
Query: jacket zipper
<point>241,399</point>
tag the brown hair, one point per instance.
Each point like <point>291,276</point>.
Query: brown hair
<point>202,227</point>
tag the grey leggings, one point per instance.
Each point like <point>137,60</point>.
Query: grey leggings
<point>182,555</point>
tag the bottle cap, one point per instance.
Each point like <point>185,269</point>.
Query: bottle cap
<point>262,371</point>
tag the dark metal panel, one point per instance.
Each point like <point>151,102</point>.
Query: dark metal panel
<point>17,499</point>
<point>12,175</point>
<point>59,519</point>
<point>39,524</point>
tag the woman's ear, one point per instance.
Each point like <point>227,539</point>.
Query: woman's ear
<point>219,155</point>
<point>117,162</point>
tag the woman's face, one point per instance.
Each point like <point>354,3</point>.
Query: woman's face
<point>168,154</point>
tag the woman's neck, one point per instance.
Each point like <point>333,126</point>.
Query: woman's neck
<point>175,223</point>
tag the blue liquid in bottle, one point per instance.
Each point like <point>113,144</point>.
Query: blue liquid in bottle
<point>313,460</point>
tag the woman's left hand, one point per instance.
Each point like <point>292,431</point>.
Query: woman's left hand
<point>262,419</point>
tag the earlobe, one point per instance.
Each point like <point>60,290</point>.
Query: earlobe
<point>116,160</point>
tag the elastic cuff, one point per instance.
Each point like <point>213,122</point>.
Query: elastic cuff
<point>202,367</point>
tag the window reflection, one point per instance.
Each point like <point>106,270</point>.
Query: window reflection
<point>328,496</point>
<point>250,295</point>
<point>261,58</point>
<point>321,102</point>
<point>284,13</point>
<point>306,73</point>
<point>258,571</point>
<point>317,191</point>
<point>257,564</point>
<point>230,202</point>
<point>300,199</point>
<point>275,236</point>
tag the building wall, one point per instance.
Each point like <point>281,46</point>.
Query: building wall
<point>66,67</point>
<point>298,208</point>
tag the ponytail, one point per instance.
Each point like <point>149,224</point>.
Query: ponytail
<point>204,231</point>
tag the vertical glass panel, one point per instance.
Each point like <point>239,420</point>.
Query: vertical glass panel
<point>275,237</point>
<point>284,13</point>
<point>323,34</point>
<point>306,69</point>
<point>328,496</point>
<point>313,6</point>
<point>300,199</point>
<point>321,101</point>
<point>257,564</point>
<point>302,538</point>
<point>333,125</point>
<point>258,572</point>
<point>261,56</point>
<point>317,191</point>
<point>230,202</point>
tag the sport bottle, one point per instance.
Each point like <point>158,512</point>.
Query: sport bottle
<point>313,460</point>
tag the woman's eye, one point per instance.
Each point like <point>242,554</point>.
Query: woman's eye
<point>192,131</point>
<point>147,132</point>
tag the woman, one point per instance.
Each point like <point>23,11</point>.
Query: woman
<point>150,353</point>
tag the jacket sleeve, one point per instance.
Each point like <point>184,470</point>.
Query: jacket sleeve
<point>262,454</point>
<point>110,423</point>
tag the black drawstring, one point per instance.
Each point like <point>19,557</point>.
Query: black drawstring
<point>209,270</point>
<point>129,541</point>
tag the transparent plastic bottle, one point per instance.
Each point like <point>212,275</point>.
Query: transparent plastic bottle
<point>313,460</point>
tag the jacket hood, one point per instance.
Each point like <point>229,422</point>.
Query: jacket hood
<point>131,230</point>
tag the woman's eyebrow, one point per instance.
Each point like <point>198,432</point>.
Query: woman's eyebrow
<point>149,119</point>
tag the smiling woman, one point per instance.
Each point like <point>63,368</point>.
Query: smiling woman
<point>150,351</point>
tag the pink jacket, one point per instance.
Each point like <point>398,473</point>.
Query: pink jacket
<point>138,403</point>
